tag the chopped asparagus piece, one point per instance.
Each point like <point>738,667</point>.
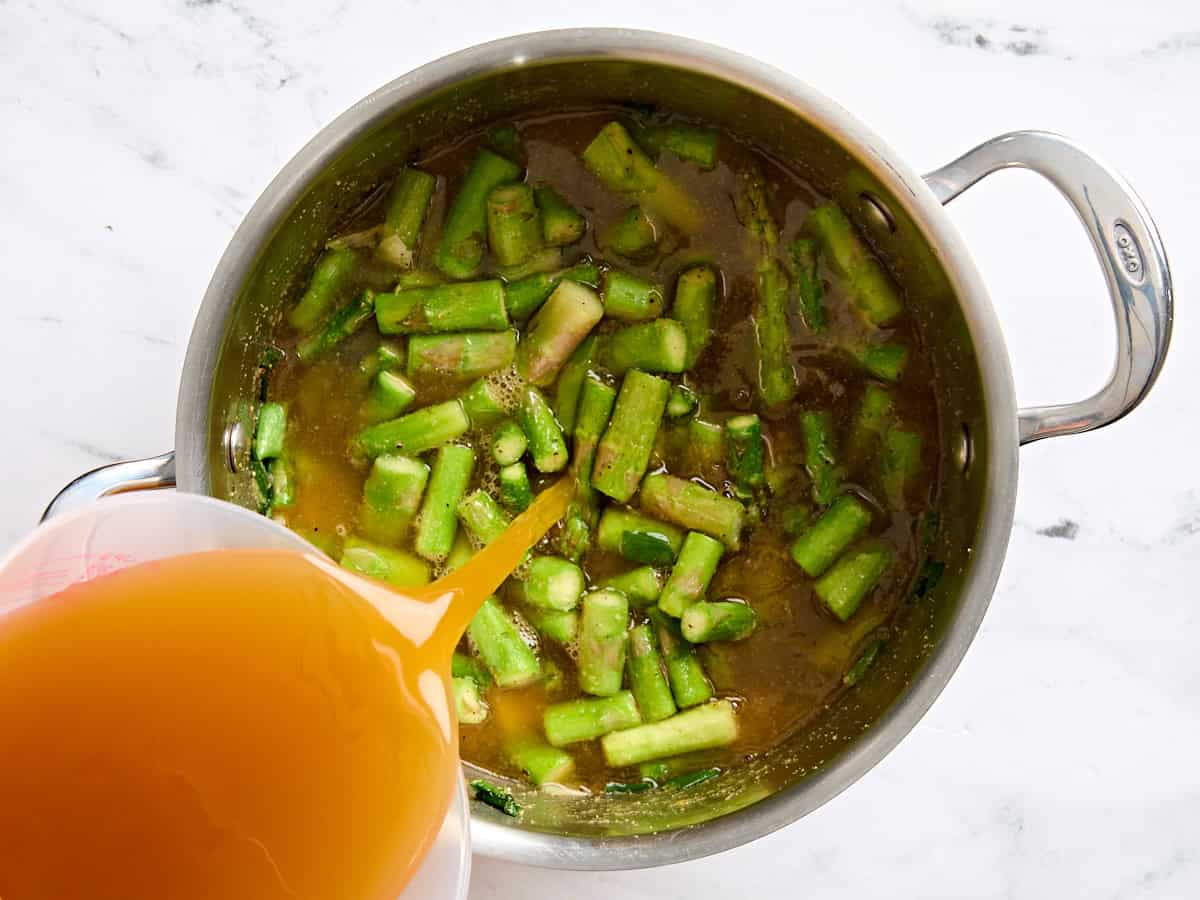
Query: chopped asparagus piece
<point>506,141</point>
<point>413,433</point>
<point>469,705</point>
<point>648,677</point>
<point>631,298</point>
<point>583,720</point>
<point>682,402</point>
<point>269,431</point>
<point>406,211</point>
<point>852,577</point>
<point>624,451</point>
<point>695,299</point>
<point>632,236</point>
<point>332,280</point>
<point>570,383</point>
<point>689,580</point>
<point>514,224</point>
<point>885,361</point>
<point>701,728</point>
<point>705,448</point>
<point>461,249</point>
<point>340,326</point>
<point>391,393</point>
<point>724,620</point>
<point>544,262</point>
<point>690,142</point>
<point>871,421</point>
<point>858,671</point>
<point>463,666</point>
<point>396,567</point>
<point>516,493</point>
<point>523,297</point>
<point>283,483</point>
<point>901,461</point>
<point>561,325</point>
<point>576,535</point>
<point>541,763</point>
<point>383,358</point>
<point>820,457</point>
<point>808,284</point>
<point>546,445</point>
<point>622,166</point>
<point>484,403</point>
<point>391,495</point>
<point>498,642</point>
<point>482,516</point>
<point>637,537</point>
<point>776,375</point>
<point>553,583</point>
<point>658,346</point>
<point>596,400</point>
<point>869,284</point>
<point>438,523</point>
<point>467,355</point>
<point>603,632</point>
<point>508,443</point>
<point>562,224</point>
<point>827,538</point>
<point>641,585</point>
<point>689,684</point>
<point>490,795</point>
<point>695,507</point>
<point>463,306</point>
<point>560,626</point>
<point>745,444</point>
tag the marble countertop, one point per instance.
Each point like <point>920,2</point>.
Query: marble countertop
<point>1061,760</point>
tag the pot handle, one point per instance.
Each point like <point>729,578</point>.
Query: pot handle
<point>1131,254</point>
<point>115,478</point>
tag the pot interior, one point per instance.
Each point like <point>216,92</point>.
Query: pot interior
<point>367,158</point>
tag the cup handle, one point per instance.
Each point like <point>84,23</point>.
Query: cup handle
<point>115,478</point>
<point>1130,252</point>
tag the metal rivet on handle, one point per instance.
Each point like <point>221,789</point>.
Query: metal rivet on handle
<point>237,445</point>
<point>964,451</point>
<point>876,213</point>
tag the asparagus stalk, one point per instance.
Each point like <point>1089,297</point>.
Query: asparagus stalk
<point>269,431</point>
<point>383,358</point>
<point>406,211</point>
<point>820,457</point>
<point>576,534</point>
<point>694,507</point>
<point>391,495</point>
<point>690,142</point>
<point>560,626</point>
<point>524,296</point>
<point>419,278</point>
<point>648,677</point>
<point>489,795</point>
<point>516,493</point>
<point>553,583</point>
<point>283,483</point>
<point>541,763</point>
<point>340,326</point>
<point>638,538</point>
<point>682,402</point>
<point>603,631</point>
<point>508,443</point>
<point>868,283</point>
<point>631,298</point>
<point>396,567</point>
<point>546,445</point>
<point>460,251</point>
<point>482,516</point>
<point>498,642</point>
<point>506,141</point>
<point>554,332</point>
<point>624,451</point>
<point>332,279</point>
<point>844,587</point>
<point>583,720</point>
<point>776,375</point>
<point>632,236</point>
<point>702,728</point>
<point>641,586</point>
<point>390,394</point>
<point>484,403</point>
<point>469,705</point>
<point>262,481</point>
<point>885,361</point>
<point>901,461</point>
<point>438,524</point>
<point>466,355</point>
<point>695,299</point>
<point>705,447</point>
<point>413,433</point>
<point>826,539</point>
<point>724,620</point>
<point>689,684</point>
<point>570,383</point>
<point>464,306</point>
<point>858,671</point>
<point>689,580</point>
<point>621,165</point>
<point>744,440</point>
<point>808,284</point>
<point>514,224</point>
<point>544,262</point>
<point>562,224</point>
<point>658,346</point>
<point>595,406</point>
<point>463,666</point>
<point>871,421</point>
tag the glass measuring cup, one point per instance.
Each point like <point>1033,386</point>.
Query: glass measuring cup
<point>123,531</point>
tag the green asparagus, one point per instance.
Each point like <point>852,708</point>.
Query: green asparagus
<point>658,346</point>
<point>647,675</point>
<point>332,280</point>
<point>391,496</point>
<point>516,493</point>
<point>438,523</point>
<point>269,431</point>
<point>885,361</point>
<point>624,451</point>
<point>844,587</point>
<point>560,626</point>
<point>701,728</point>
<point>901,461</point>
<point>570,383</point>
<point>808,284</point>
<point>283,483</point>
<point>406,211</point>
<point>632,236</point>
<point>547,448</point>
<point>463,306</point>
<point>553,583</point>
<point>508,443</point>
<point>603,633</point>
<point>463,243</point>
<point>820,456</point>
<point>469,705</point>
<point>630,297</point>
<point>396,567</point>
<point>482,516</point>
<point>541,763</point>
<point>827,538</point>
<point>638,538</point>
<point>642,585</point>
<point>744,440</point>
<point>499,644</point>
<point>583,720</point>
<point>724,620</point>
<point>343,323</point>
<point>694,506</point>
<point>390,394</point>
<point>690,577</point>
<point>695,299</point>
<point>689,684</point>
<point>690,142</point>
<point>466,355</point>
<point>514,224</point>
<point>414,433</point>
<point>869,284</point>
<point>596,400</point>
<point>682,401</point>
<point>525,296</point>
<point>562,224</point>
<point>554,332</point>
<point>484,403</point>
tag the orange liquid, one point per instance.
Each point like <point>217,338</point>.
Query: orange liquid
<point>237,724</point>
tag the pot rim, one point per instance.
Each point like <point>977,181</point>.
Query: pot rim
<point>784,807</point>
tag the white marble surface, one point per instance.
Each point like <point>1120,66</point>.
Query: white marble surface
<point>1062,760</point>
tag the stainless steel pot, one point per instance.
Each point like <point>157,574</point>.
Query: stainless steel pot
<point>981,426</point>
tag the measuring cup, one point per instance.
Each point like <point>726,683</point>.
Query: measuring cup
<point>133,528</point>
